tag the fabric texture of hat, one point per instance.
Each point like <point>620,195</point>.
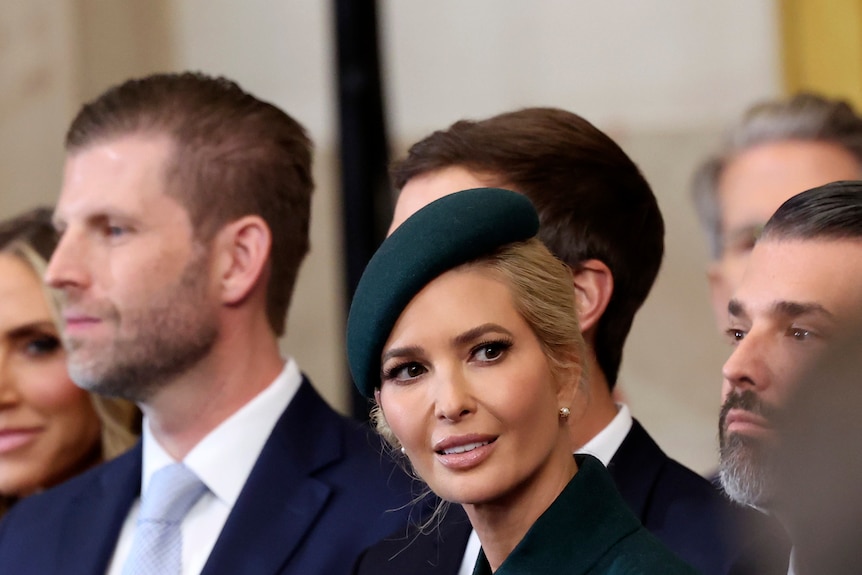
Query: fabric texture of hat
<point>446,233</point>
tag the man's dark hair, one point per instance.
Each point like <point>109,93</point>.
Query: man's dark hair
<point>829,212</point>
<point>592,200</point>
<point>233,155</point>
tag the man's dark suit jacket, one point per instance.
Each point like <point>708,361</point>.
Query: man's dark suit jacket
<point>319,493</point>
<point>681,508</point>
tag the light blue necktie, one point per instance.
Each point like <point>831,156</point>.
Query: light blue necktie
<point>157,547</point>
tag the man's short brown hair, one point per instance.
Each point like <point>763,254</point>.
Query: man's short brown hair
<point>592,200</point>
<point>234,156</point>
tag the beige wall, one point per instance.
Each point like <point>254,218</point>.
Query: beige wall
<point>662,77</point>
<point>671,368</point>
<point>36,94</point>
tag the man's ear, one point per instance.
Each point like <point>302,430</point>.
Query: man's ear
<point>594,285</point>
<point>243,254</point>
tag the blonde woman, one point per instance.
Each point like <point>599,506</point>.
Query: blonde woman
<point>464,331</point>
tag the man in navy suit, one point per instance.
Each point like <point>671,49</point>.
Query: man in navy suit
<point>184,217</point>
<point>600,217</point>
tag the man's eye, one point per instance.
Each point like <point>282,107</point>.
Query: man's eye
<point>734,335</point>
<point>799,333</point>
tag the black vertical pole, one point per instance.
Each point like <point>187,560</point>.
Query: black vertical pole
<point>364,150</point>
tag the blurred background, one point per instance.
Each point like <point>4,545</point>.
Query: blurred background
<point>664,78</point>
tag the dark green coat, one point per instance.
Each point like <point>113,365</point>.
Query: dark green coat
<point>588,530</point>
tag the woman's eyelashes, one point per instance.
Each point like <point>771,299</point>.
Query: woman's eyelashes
<point>43,345</point>
<point>490,351</point>
<point>32,342</point>
<point>403,371</point>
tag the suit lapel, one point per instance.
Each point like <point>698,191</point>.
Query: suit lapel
<point>91,530</point>
<point>281,499</point>
<point>635,468</point>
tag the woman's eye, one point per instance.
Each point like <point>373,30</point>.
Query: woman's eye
<point>491,351</point>
<point>42,345</point>
<point>405,371</point>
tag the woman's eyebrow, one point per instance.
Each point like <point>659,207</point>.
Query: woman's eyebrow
<point>475,333</point>
<point>27,329</point>
<point>400,351</point>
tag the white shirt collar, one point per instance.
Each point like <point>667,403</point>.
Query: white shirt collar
<point>239,440</point>
<point>606,443</point>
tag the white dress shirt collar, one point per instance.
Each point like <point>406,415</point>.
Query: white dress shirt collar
<point>223,459</point>
<point>606,443</point>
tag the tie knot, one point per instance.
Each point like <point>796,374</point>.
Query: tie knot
<point>172,491</point>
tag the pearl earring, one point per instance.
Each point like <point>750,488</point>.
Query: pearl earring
<point>564,413</point>
<point>403,451</point>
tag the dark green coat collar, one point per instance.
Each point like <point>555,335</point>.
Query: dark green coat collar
<point>588,529</point>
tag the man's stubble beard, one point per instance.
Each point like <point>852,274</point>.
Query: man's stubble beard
<point>153,345</point>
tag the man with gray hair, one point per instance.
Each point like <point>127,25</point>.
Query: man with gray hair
<point>778,149</point>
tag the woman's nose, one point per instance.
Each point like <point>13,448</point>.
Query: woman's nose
<point>454,399</point>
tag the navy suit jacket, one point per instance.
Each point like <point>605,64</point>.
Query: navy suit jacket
<point>320,492</point>
<point>684,510</point>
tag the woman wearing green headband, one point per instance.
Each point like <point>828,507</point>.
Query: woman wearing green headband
<point>464,331</point>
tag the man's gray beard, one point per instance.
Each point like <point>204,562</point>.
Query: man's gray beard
<point>744,471</point>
